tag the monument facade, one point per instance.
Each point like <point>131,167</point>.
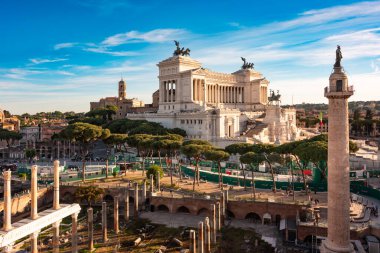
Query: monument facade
<point>217,107</point>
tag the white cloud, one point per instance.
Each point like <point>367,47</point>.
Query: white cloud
<point>64,45</point>
<point>40,61</point>
<point>103,50</point>
<point>158,35</point>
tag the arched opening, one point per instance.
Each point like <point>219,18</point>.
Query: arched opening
<point>267,219</point>
<point>147,201</point>
<point>183,209</point>
<point>108,198</point>
<point>230,214</point>
<point>203,212</point>
<point>131,200</point>
<point>162,208</point>
<point>253,217</point>
<point>152,208</point>
<point>278,219</point>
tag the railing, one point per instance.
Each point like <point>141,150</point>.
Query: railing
<point>349,89</point>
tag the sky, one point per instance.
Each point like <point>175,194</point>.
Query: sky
<point>60,55</point>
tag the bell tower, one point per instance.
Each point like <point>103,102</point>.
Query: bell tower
<point>122,89</point>
<point>338,217</point>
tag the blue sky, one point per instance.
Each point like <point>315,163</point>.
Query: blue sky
<point>60,55</point>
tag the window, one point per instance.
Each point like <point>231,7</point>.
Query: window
<point>339,85</point>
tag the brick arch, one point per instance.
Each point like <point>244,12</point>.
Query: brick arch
<point>162,208</point>
<point>203,212</point>
<point>254,217</point>
<point>183,209</point>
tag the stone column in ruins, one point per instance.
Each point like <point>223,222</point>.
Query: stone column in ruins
<point>126,214</point>
<point>213,223</point>
<point>116,214</point>
<point>56,236</point>
<point>136,203</point>
<point>193,244</point>
<point>218,221</point>
<point>34,242</point>
<point>33,192</point>
<point>143,194</point>
<point>207,236</point>
<point>104,222</point>
<point>7,222</point>
<point>223,208</point>
<point>158,182</point>
<point>90,220</point>
<point>74,233</point>
<point>200,238</point>
<point>56,205</point>
<point>151,184</point>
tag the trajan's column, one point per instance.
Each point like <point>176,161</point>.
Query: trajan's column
<point>338,92</point>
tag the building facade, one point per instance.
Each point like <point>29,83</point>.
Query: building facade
<point>218,107</point>
<point>123,103</point>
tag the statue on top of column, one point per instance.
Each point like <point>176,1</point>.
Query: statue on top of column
<point>338,57</point>
<point>246,65</point>
<point>181,51</point>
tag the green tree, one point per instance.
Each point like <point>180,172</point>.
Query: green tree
<point>30,154</point>
<point>195,151</point>
<point>142,142</point>
<point>155,170</point>
<point>241,149</point>
<point>217,156</point>
<point>115,140</point>
<point>253,161</point>
<point>84,134</point>
<point>270,157</point>
<point>9,137</point>
<point>88,194</point>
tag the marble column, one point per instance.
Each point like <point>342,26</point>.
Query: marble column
<point>116,214</point>
<point>171,91</point>
<point>167,91</point>
<point>207,236</point>
<point>90,220</point>
<point>56,205</point>
<point>33,192</point>
<point>193,244</point>
<point>56,236</point>
<point>136,203</point>
<point>74,233</point>
<point>104,222</point>
<point>34,242</point>
<point>126,215</point>
<point>213,223</point>
<point>7,222</point>
<point>218,223</point>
